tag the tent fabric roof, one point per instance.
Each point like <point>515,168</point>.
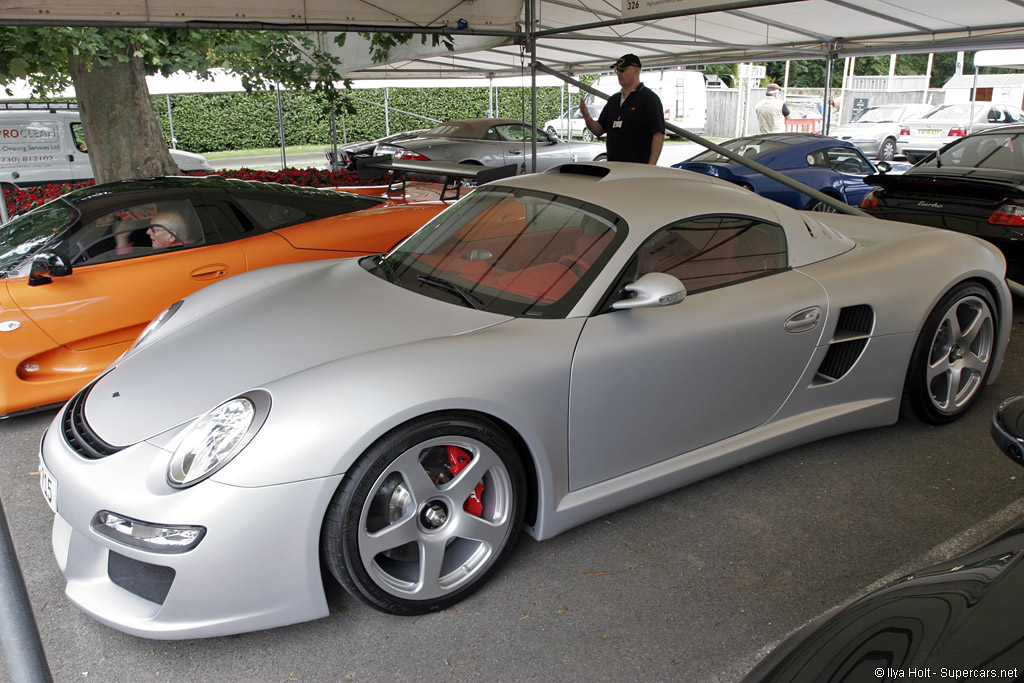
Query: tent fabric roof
<point>582,36</point>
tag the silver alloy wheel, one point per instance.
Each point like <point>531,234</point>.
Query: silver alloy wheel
<point>416,541</point>
<point>887,150</point>
<point>821,206</point>
<point>961,351</point>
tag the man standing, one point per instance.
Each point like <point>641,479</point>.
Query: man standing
<point>772,111</point>
<point>633,118</point>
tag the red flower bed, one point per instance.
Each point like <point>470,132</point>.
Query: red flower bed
<point>22,200</point>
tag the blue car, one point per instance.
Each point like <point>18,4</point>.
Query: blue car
<point>834,167</point>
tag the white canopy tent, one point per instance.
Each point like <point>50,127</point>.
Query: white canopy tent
<point>503,37</point>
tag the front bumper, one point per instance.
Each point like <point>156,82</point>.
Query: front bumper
<point>257,567</point>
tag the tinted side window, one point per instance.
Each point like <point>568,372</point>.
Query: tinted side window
<point>138,230</point>
<point>714,250</point>
<point>848,160</point>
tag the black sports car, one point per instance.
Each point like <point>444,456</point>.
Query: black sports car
<point>974,185</point>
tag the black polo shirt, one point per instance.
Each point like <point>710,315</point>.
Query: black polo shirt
<point>629,127</point>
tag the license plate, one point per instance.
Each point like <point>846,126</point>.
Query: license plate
<point>929,131</point>
<point>48,485</point>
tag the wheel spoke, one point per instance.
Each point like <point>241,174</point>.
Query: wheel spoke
<point>463,485</point>
<point>416,479</point>
<point>390,537</point>
<point>431,562</point>
<point>477,529</point>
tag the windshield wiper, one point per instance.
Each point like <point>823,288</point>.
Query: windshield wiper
<point>389,272</point>
<point>452,288</point>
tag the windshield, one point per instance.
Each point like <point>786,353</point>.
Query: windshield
<point>748,147</point>
<point>30,232</point>
<point>1005,151</point>
<point>508,251</point>
<point>878,115</point>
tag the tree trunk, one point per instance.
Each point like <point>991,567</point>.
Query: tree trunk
<point>121,129</point>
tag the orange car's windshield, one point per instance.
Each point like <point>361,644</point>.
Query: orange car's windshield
<point>23,236</point>
<point>508,251</point>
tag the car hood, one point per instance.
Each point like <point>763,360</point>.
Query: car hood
<point>247,335</point>
<point>860,128</point>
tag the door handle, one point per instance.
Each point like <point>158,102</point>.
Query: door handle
<point>804,320</point>
<point>210,272</point>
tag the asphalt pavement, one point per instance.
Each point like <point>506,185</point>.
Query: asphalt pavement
<point>692,586</point>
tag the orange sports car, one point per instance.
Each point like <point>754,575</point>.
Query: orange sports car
<point>84,274</point>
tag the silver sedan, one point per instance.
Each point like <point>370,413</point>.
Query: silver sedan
<point>550,349</point>
<point>950,122</point>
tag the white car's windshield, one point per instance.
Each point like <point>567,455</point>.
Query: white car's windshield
<point>30,232</point>
<point>507,251</point>
<point>878,115</point>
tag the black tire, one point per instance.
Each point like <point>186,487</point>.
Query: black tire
<point>601,157</point>
<point>887,150</point>
<point>398,534</point>
<point>551,130</point>
<point>952,357</point>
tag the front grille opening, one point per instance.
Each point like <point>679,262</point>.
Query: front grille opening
<point>79,435</point>
<point>148,581</point>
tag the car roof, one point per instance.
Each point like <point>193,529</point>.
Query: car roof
<point>466,128</point>
<point>195,182</point>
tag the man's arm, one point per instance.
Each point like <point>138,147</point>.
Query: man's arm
<point>592,125</point>
<point>657,140</point>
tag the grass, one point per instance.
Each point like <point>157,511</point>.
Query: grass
<point>266,151</point>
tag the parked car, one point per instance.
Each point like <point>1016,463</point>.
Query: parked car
<point>961,616</point>
<point>975,186</point>
<point>834,167</point>
<point>492,142</point>
<point>81,276</point>
<point>552,348</point>
<point>876,129</point>
<point>572,125</point>
<point>42,146</point>
<point>350,153</point>
<point>949,122</point>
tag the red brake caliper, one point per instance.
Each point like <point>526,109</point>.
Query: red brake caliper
<point>458,458</point>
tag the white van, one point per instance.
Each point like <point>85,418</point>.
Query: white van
<point>683,93</point>
<point>46,145</point>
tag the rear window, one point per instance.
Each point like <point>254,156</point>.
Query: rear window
<point>995,151</point>
<point>748,147</point>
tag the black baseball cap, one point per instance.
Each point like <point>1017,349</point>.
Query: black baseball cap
<point>627,60</point>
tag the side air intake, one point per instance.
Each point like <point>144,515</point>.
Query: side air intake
<point>848,343</point>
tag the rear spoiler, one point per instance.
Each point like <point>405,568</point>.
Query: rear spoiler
<point>452,173</point>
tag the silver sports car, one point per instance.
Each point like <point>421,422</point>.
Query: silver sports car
<point>493,142</point>
<point>549,349</point>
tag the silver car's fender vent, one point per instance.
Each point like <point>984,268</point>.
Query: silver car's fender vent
<point>848,343</point>
<point>79,435</point>
<point>148,581</point>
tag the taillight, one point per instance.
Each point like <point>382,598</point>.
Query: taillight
<point>957,132</point>
<point>409,155</point>
<point>1008,214</point>
<point>905,130</point>
<point>871,199</point>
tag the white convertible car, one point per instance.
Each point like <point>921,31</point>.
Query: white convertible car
<point>549,349</point>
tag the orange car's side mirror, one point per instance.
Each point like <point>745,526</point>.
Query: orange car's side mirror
<point>46,266</point>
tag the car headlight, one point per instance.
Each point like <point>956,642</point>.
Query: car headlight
<point>158,321</point>
<point>217,437</point>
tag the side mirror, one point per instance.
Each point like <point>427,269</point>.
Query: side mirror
<point>46,266</point>
<point>1008,428</point>
<point>653,290</point>
<point>883,166</point>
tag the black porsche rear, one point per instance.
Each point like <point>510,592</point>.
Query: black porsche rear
<point>986,203</point>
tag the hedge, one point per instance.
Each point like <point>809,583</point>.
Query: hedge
<point>21,200</point>
<point>231,121</point>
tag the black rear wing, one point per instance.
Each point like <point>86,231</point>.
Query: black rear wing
<point>454,174</point>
